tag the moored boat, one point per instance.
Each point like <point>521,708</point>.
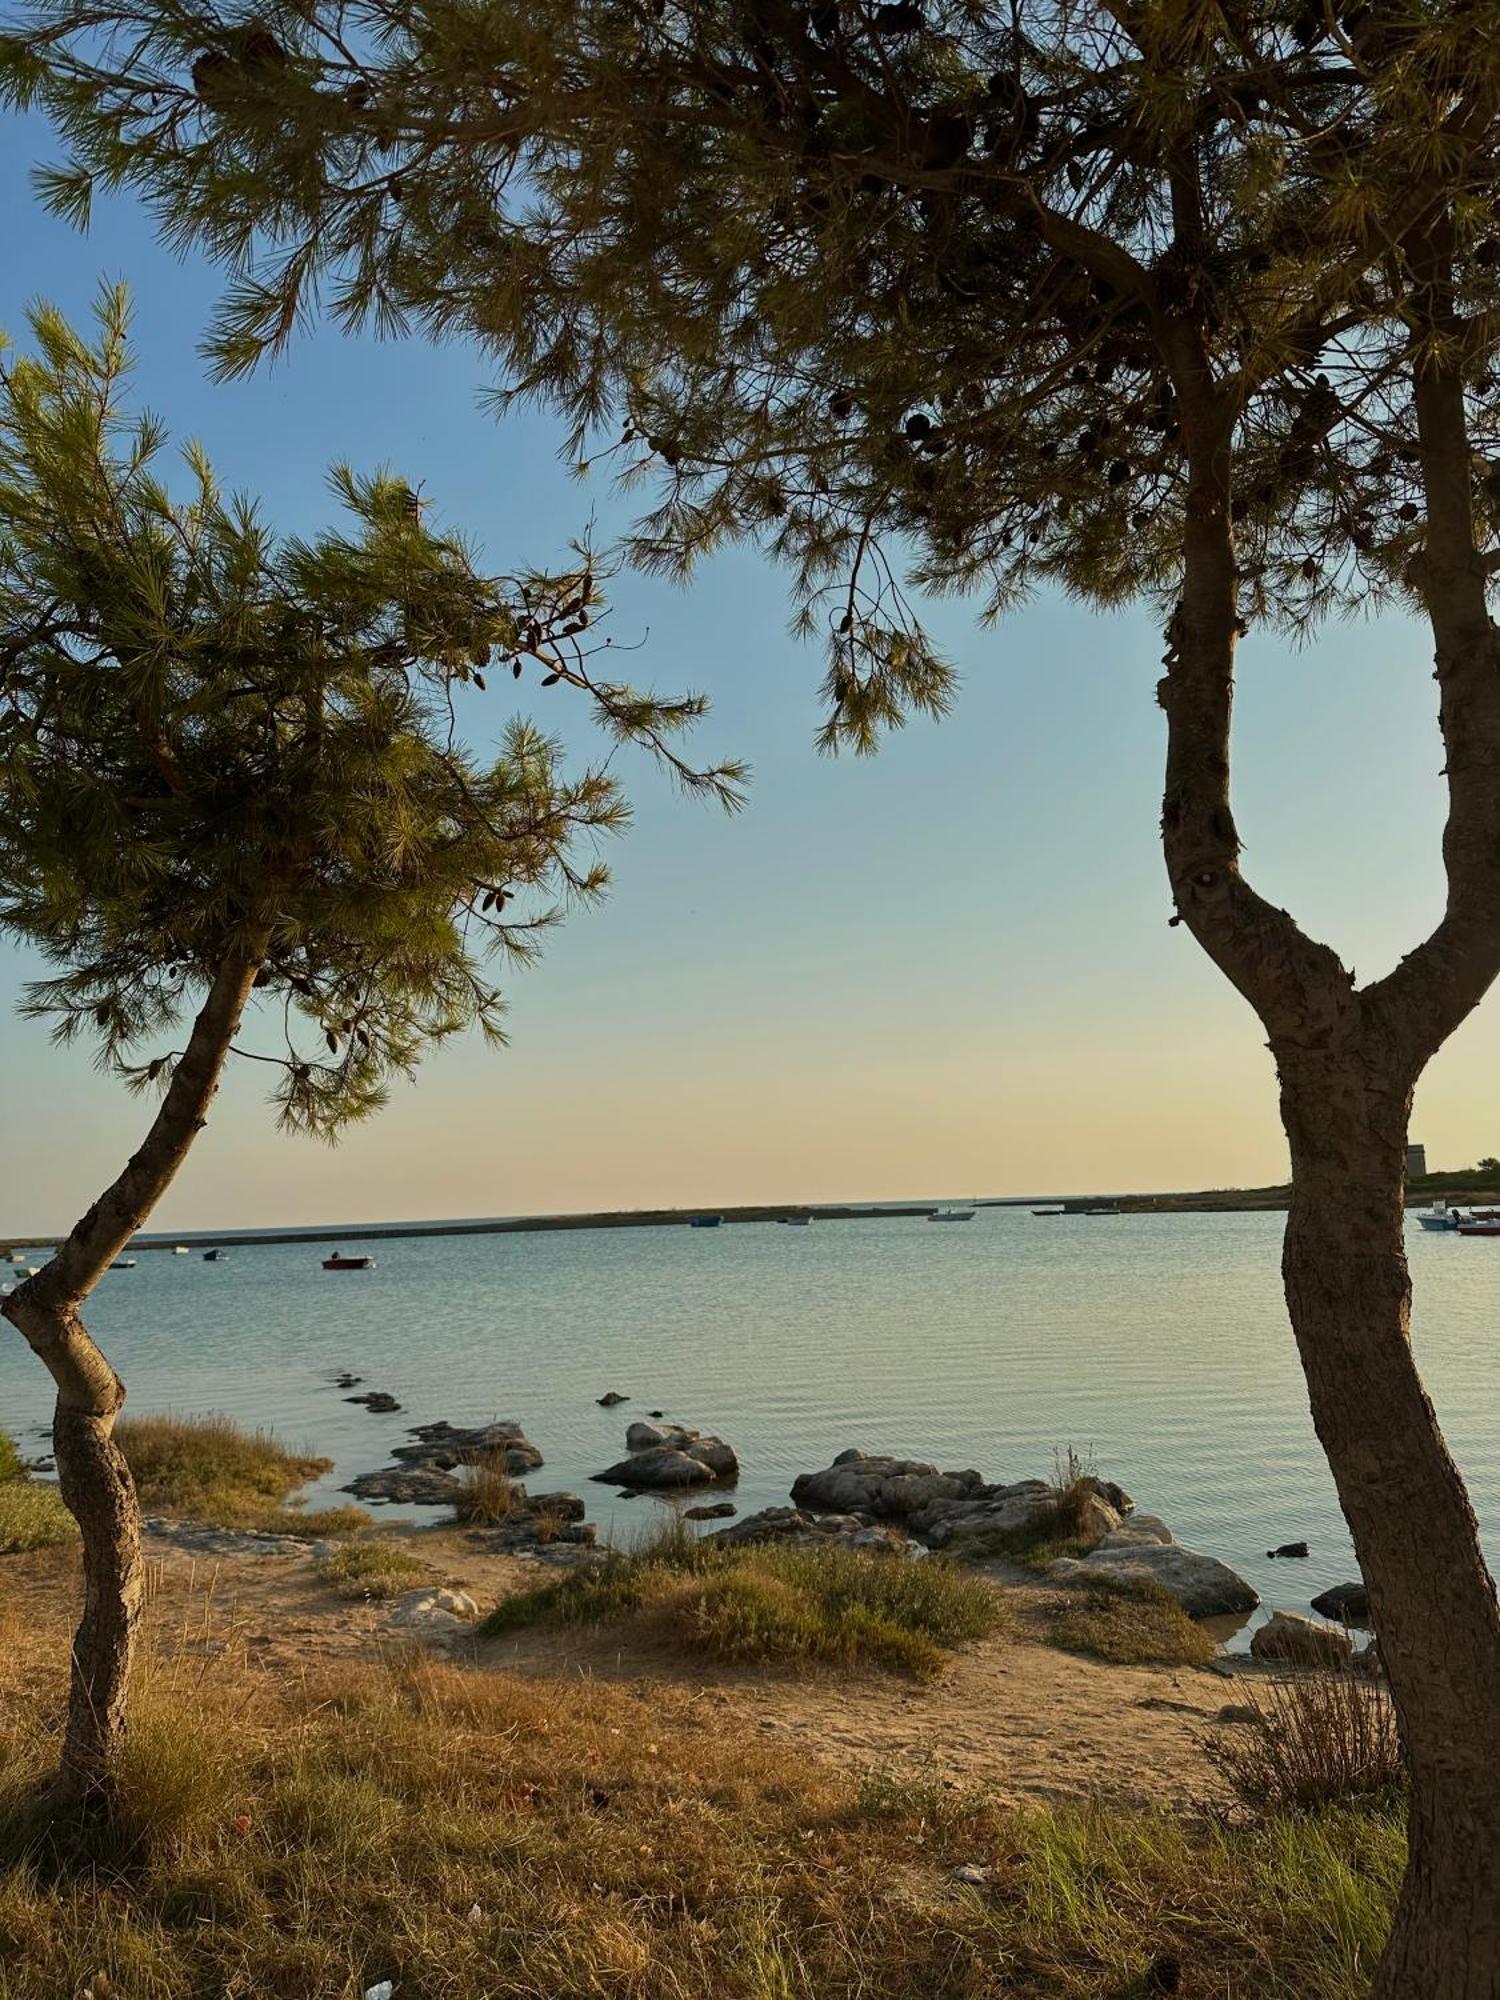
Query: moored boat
<point>181,1250</point>
<point>1440,1216</point>
<point>123,1264</point>
<point>704,1221</point>
<point>795,1221</point>
<point>214,1256</point>
<point>1480,1225</point>
<point>337,1263</point>
<point>951,1215</point>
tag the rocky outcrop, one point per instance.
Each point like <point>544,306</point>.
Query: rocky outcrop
<point>1202,1585</point>
<point>202,1539</point>
<point>891,1489</point>
<point>664,1458</point>
<point>1347,1603</point>
<point>949,1524</point>
<point>1302,1641</point>
<point>535,1521</point>
<point>1139,1531</point>
<point>445,1446</point>
<point>793,1527</point>
<point>406,1486</point>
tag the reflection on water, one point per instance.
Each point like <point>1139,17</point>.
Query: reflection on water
<point>1157,1342</point>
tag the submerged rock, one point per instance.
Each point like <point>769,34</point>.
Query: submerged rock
<point>611,1399</point>
<point>1202,1585</point>
<point>379,1401</point>
<point>720,1510</point>
<point>1304,1641</point>
<point>407,1486</point>
<point>661,1459</point>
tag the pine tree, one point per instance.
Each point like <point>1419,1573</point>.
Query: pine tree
<point>231,788</point>
<point>1189,301</point>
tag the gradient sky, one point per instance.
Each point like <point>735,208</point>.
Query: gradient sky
<point>947,970</point>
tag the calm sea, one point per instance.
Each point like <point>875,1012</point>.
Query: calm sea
<point>1157,1344</point>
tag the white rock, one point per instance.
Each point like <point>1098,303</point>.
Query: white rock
<point>434,1610</point>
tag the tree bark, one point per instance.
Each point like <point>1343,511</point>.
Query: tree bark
<point>92,1474</point>
<point>1349,1294</point>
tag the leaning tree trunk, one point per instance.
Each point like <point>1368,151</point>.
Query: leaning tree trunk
<point>1433,1602</point>
<point>92,1474</point>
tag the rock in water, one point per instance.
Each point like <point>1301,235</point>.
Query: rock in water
<point>1304,1641</point>
<point>1202,1585</point>
<point>721,1510</point>
<point>1294,1550</point>
<point>445,1445</point>
<point>860,1482</point>
<point>407,1486</point>
<point>1347,1603</point>
<point>659,1460</point>
<point>608,1402</point>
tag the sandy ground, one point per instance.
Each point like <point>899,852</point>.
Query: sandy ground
<point>1010,1714</point>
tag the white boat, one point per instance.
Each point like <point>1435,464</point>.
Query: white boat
<point>123,1264</point>
<point>181,1250</point>
<point>951,1215</point>
<point>1439,1216</point>
<point>18,1256</point>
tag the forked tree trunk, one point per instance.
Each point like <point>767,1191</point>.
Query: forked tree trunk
<point>1433,1602</point>
<point>92,1474</point>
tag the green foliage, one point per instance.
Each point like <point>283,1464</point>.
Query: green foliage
<point>32,1516</point>
<point>217,741</point>
<point>208,1469</point>
<point>771,1606</point>
<point>10,1459</point>
<point>973,283</point>
<point>370,1570</point>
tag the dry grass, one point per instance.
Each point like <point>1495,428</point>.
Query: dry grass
<point>486,1492</point>
<point>1131,1623</point>
<point>371,1570</point>
<point>209,1469</point>
<point>1318,1740</point>
<point>773,1607</point>
<point>469,1836</point>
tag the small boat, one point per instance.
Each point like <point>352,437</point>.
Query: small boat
<point>951,1215</point>
<point>214,1256</point>
<point>704,1221</point>
<point>1479,1225</point>
<point>181,1250</point>
<point>795,1221</point>
<point>1049,1211</point>
<point>1440,1216</point>
<point>337,1263</point>
<point>123,1264</point>
<point>18,1256</point>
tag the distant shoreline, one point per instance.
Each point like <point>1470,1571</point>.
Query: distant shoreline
<point>1464,1187</point>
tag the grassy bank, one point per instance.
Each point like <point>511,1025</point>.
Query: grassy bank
<point>475,1834</point>
<point>768,1606</point>
<point>31,1514</point>
<point>209,1469</point>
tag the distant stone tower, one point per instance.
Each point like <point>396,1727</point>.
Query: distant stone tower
<point>1416,1161</point>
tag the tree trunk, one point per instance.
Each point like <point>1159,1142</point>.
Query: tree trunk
<point>92,1474</point>
<point>1433,1601</point>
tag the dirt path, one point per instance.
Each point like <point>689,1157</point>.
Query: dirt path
<point>1010,1714</point>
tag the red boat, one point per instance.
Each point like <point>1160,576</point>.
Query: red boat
<point>348,1263</point>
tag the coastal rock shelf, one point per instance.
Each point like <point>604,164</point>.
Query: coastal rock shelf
<point>965,1514</point>
<point>424,1476</point>
<point>665,1457</point>
<point>793,1527</point>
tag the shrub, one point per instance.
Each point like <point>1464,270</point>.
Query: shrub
<point>32,1516</point>
<point>370,1569</point>
<point>1320,1739</point>
<point>1131,1622</point>
<point>773,1606</point>
<point>486,1493</point>
<point>10,1458</point>
<point>209,1469</point>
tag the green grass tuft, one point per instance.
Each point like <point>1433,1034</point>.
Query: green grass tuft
<point>10,1458</point>
<point>773,1606</point>
<point>371,1570</point>
<point>32,1516</point>
<point>1131,1622</point>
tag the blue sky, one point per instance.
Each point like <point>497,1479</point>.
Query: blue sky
<point>944,970</point>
